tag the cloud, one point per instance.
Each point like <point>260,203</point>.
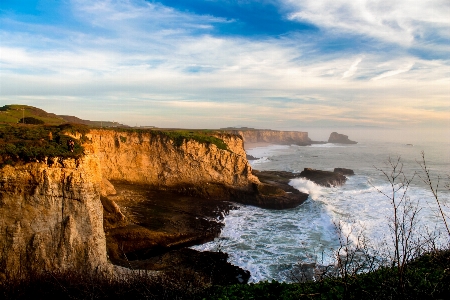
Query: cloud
<point>398,22</point>
<point>146,63</point>
<point>352,70</point>
<point>394,72</point>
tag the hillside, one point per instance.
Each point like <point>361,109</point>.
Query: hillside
<point>14,113</point>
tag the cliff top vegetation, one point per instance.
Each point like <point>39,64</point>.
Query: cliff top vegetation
<point>30,142</point>
<point>26,143</point>
<point>203,136</point>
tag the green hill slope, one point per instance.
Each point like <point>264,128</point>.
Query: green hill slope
<point>14,113</point>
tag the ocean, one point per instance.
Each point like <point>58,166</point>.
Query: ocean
<point>270,243</point>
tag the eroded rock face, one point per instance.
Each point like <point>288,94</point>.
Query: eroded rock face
<point>156,160</point>
<point>274,137</point>
<point>338,138</point>
<point>51,215</point>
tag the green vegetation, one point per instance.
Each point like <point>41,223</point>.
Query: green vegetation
<point>25,143</point>
<point>14,114</point>
<point>31,120</point>
<point>178,136</point>
<point>427,277</point>
<point>201,136</point>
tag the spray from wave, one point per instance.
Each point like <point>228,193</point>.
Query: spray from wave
<point>308,187</point>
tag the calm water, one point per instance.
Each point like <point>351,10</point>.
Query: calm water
<point>269,243</point>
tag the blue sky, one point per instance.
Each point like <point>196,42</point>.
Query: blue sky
<point>206,64</point>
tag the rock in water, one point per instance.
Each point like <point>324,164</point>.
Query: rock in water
<point>338,138</point>
<point>344,171</point>
<point>323,178</point>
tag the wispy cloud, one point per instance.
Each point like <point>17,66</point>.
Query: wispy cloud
<point>399,22</point>
<point>352,70</point>
<point>394,72</point>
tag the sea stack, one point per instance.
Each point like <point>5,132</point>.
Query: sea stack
<point>338,138</point>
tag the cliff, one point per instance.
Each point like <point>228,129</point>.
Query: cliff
<point>51,215</point>
<point>155,159</point>
<point>62,213</point>
<point>274,136</point>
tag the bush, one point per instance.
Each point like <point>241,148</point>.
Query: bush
<point>35,142</point>
<point>31,120</point>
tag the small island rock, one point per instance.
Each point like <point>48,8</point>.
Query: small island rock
<point>338,138</point>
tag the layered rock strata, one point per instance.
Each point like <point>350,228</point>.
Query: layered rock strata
<point>51,215</point>
<point>156,160</point>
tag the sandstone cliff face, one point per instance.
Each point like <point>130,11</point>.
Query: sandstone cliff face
<point>156,160</point>
<point>275,137</point>
<point>51,215</point>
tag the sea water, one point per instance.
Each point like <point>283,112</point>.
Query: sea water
<point>269,243</point>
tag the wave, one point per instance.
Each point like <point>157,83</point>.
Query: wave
<point>308,187</point>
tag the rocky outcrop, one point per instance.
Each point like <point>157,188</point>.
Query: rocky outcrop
<point>344,171</point>
<point>338,138</point>
<point>323,178</point>
<point>274,137</point>
<point>278,182</point>
<point>51,215</point>
<point>211,267</point>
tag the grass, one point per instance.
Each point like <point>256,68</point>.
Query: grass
<point>13,114</point>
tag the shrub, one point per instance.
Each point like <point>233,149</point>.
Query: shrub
<point>31,120</point>
<point>33,143</point>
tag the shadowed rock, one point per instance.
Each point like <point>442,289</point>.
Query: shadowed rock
<point>344,171</point>
<point>211,266</point>
<point>275,192</point>
<point>323,178</point>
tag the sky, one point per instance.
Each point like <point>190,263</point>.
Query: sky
<point>282,64</point>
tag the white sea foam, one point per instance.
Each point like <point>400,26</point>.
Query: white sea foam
<point>308,187</point>
<point>269,243</point>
